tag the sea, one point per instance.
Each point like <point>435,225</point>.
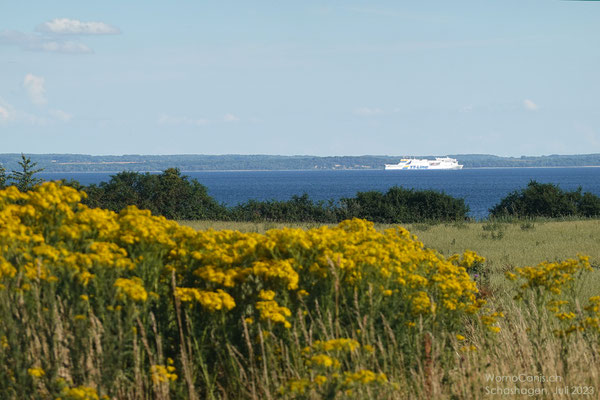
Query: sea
<point>481,188</point>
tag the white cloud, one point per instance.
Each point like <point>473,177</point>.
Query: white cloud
<point>172,120</point>
<point>230,118</point>
<point>35,89</point>
<point>530,105</point>
<point>61,115</point>
<point>50,36</point>
<point>367,111</point>
<point>66,26</point>
<point>4,114</point>
<point>69,47</point>
<point>7,112</point>
<point>37,42</point>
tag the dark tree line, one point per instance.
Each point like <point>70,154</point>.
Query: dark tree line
<point>177,197</point>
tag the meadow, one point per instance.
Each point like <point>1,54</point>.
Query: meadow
<point>102,305</point>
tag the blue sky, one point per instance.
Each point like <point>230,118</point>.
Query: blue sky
<point>511,77</point>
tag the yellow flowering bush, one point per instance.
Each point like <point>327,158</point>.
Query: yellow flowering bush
<point>108,290</point>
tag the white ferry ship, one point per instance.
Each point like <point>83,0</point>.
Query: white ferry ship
<point>414,163</point>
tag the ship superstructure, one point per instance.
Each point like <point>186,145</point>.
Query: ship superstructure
<point>414,163</point>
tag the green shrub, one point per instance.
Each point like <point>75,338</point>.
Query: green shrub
<point>297,209</point>
<point>400,205</point>
<point>168,194</point>
<point>546,200</point>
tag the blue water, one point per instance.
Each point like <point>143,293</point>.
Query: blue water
<point>481,188</point>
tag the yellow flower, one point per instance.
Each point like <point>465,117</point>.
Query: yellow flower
<point>364,376</point>
<point>270,310</point>
<point>211,301</point>
<point>368,348</point>
<point>295,386</point>
<point>161,374</point>
<point>323,360</point>
<point>79,393</point>
<point>84,277</point>
<point>510,276</point>
<point>36,372</point>
<point>565,315</point>
<point>320,380</point>
<point>421,304</point>
<point>266,295</point>
<point>132,288</point>
<point>342,344</point>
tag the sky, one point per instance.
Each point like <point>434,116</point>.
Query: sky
<point>509,77</point>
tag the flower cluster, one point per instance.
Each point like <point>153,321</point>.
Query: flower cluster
<point>132,288</point>
<point>79,393</point>
<point>554,286</point>
<point>162,373</point>
<point>330,370</point>
<point>552,277</point>
<point>469,259</point>
<point>211,301</point>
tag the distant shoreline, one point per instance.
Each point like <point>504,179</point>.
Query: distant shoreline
<point>82,163</point>
<point>309,170</point>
